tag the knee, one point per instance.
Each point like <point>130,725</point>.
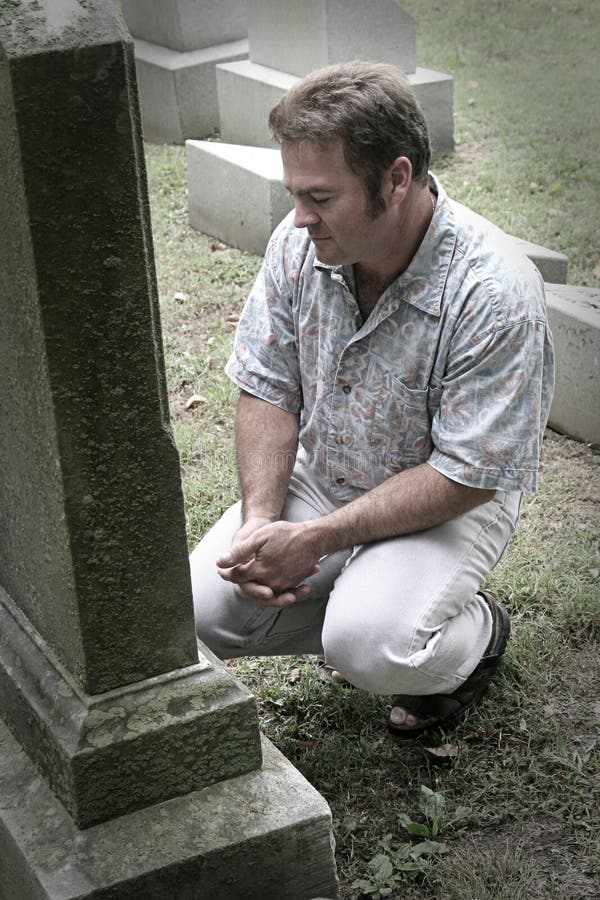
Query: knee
<point>361,651</point>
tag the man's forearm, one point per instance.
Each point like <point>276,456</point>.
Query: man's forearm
<point>411,501</point>
<point>266,442</point>
<point>278,557</point>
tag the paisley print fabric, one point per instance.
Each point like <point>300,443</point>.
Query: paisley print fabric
<point>454,366</point>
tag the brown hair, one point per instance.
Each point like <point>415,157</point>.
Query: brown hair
<point>370,106</point>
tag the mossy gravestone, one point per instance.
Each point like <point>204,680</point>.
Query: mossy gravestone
<point>101,682</point>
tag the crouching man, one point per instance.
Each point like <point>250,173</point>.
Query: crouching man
<point>395,369</point>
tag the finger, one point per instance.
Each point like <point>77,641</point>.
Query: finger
<point>280,600</point>
<point>237,574</point>
<point>240,553</point>
<point>251,590</point>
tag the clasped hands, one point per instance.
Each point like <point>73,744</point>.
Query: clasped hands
<point>270,561</point>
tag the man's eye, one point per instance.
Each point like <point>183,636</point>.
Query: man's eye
<point>321,200</point>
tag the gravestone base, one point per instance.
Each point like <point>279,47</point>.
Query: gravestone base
<point>247,91</point>
<point>107,754</point>
<point>178,91</point>
<point>236,193</point>
<point>261,836</point>
<point>552,266</point>
<point>574,316</point>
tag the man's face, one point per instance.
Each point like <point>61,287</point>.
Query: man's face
<point>330,202</point>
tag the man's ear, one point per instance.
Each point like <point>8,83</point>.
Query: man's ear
<point>399,178</point>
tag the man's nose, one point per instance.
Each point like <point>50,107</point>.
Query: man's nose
<point>304,213</point>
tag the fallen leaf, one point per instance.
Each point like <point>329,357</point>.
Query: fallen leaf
<point>445,751</point>
<point>194,401</point>
<point>233,318</point>
<point>217,245</point>
<point>596,269</point>
<point>213,362</point>
<point>294,675</point>
<point>180,297</point>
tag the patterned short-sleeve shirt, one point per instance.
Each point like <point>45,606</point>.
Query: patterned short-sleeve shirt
<point>453,367</point>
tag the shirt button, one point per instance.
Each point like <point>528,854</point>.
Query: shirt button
<point>346,389</point>
<point>339,439</point>
<point>340,480</point>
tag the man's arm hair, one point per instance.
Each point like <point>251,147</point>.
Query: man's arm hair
<point>266,439</point>
<point>411,501</point>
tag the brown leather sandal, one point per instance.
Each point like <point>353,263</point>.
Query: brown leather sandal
<point>435,710</point>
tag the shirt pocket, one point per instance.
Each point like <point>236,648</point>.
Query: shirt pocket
<point>401,433</point>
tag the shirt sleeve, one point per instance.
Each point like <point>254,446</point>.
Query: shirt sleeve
<point>264,361</point>
<point>494,406</point>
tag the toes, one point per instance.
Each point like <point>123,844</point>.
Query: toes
<point>401,717</point>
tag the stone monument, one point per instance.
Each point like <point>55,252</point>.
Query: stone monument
<point>131,765</point>
<point>178,43</point>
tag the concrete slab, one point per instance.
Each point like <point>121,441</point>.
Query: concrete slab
<point>236,193</point>
<point>247,91</point>
<point>186,24</point>
<point>435,93</point>
<point>178,91</point>
<point>299,37</point>
<point>221,178</point>
<point>574,314</point>
<point>553,266</point>
<point>262,836</point>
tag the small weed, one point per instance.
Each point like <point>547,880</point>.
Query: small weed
<point>432,805</point>
<point>397,861</point>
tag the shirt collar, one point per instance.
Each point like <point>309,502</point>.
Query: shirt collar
<point>422,283</point>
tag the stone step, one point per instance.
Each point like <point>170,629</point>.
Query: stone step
<point>178,91</point>
<point>262,836</point>
<point>298,37</point>
<point>553,266</point>
<point>247,91</point>
<point>222,177</point>
<point>236,193</point>
<point>574,314</point>
<point>186,24</point>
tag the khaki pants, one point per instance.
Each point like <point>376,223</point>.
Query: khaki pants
<point>396,616</point>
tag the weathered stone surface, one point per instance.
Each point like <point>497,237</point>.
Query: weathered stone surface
<point>574,314</point>
<point>187,24</point>
<point>236,193</point>
<point>247,91</point>
<point>100,679</point>
<point>298,37</point>
<point>108,754</point>
<point>92,536</point>
<point>262,836</point>
<point>178,91</point>
<point>99,666</point>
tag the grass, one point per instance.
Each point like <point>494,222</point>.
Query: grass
<point>524,769</point>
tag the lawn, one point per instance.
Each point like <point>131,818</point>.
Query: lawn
<point>510,801</point>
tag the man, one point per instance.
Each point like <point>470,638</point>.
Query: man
<point>395,369</point>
